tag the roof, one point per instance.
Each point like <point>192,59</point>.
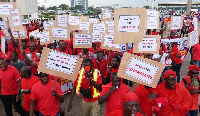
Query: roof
<point>177,3</point>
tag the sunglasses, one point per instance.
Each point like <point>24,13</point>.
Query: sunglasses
<point>194,72</point>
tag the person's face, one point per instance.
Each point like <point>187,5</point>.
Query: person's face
<point>85,50</point>
<point>24,45</point>
<point>116,81</point>
<point>3,64</point>
<point>63,46</point>
<point>13,57</point>
<point>170,82</point>
<point>114,62</point>
<point>44,78</point>
<point>32,47</point>
<point>193,73</point>
<point>131,107</point>
<point>23,73</point>
<point>100,56</point>
<point>87,64</point>
<point>172,35</point>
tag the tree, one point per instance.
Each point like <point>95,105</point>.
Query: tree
<point>72,8</point>
<point>91,8</point>
<point>147,7</point>
<point>41,8</point>
<point>64,7</point>
<point>78,7</point>
<point>52,8</point>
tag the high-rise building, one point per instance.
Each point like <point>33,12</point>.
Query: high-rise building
<point>83,3</point>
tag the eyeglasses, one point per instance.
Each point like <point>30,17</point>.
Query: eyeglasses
<point>194,73</point>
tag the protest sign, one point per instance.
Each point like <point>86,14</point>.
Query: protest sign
<point>66,85</point>
<point>59,33</point>
<point>150,44</point>
<point>5,8</point>
<point>107,42</point>
<point>183,43</point>
<point>16,20</point>
<point>61,20</point>
<point>23,34</point>
<point>193,38</point>
<point>110,26</point>
<point>59,64</point>
<point>123,47</point>
<point>73,20</point>
<point>82,40</point>
<point>84,18</point>
<point>33,33</point>
<point>24,21</point>
<point>96,37</point>
<point>129,25</point>
<point>34,15</point>
<point>169,41</point>
<point>93,20</point>
<point>84,26</point>
<point>195,22</point>
<point>106,16</point>
<point>4,27</point>
<point>153,19</point>
<point>44,37</point>
<point>176,23</point>
<point>3,45</point>
<point>97,28</point>
<point>48,24</point>
<point>140,70</point>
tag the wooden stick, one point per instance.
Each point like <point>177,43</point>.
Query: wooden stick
<point>20,43</point>
<point>134,86</point>
<point>54,86</point>
<point>127,47</point>
<point>108,56</point>
<point>151,31</point>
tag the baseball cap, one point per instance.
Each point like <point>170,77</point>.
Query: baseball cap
<point>170,74</point>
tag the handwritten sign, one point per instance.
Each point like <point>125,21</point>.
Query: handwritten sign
<point>33,33</point>
<point>5,7</point>
<point>3,26</point>
<point>16,20</point>
<point>99,28</point>
<point>106,15</point>
<point>48,24</point>
<point>110,26</point>
<point>59,33</point>
<point>3,43</point>
<point>195,22</point>
<point>73,20</point>
<point>61,20</point>
<point>59,64</point>
<point>193,38</point>
<point>96,37</point>
<point>140,70</point>
<point>93,20</point>
<point>22,34</point>
<point>44,37</point>
<point>34,15</point>
<point>84,26</point>
<point>176,22</point>
<point>152,20</point>
<point>82,40</point>
<point>108,43</point>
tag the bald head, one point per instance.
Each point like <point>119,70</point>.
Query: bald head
<point>32,46</point>
<point>25,72</point>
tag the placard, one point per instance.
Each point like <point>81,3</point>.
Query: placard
<point>140,70</point>
<point>61,20</point>
<point>107,42</point>
<point>5,8</point>
<point>48,24</point>
<point>84,18</point>
<point>3,43</point>
<point>93,20</point>
<point>34,15</point>
<point>176,23</point>
<point>153,19</point>
<point>129,25</point>
<point>123,47</point>
<point>33,33</point>
<point>59,64</point>
<point>84,26</point>
<point>82,40</point>
<point>59,33</point>
<point>44,37</point>
<point>150,44</point>
<point>97,28</point>
<point>110,26</point>
<point>193,38</point>
<point>3,26</point>
<point>169,41</point>
<point>24,21</point>
<point>16,20</point>
<point>22,34</point>
<point>195,22</point>
<point>96,37</point>
<point>106,16</point>
<point>73,20</point>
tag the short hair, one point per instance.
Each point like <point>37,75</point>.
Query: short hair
<point>118,59</point>
<point>15,53</point>
<point>87,60</point>
<point>2,58</point>
<point>114,74</point>
<point>99,52</point>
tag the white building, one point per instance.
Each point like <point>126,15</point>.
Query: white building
<point>83,3</point>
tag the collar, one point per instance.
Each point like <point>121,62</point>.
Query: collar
<point>30,76</point>
<point>18,60</point>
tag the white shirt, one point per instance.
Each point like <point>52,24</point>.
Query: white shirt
<point>162,60</point>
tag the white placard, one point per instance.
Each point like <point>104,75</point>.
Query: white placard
<point>176,25</point>
<point>73,20</point>
<point>3,48</point>
<point>183,43</point>
<point>194,38</point>
<point>61,62</point>
<point>110,24</point>
<point>15,17</point>
<point>129,23</point>
<point>169,41</point>
<point>34,15</point>
<point>24,21</point>
<point>47,24</point>
<point>109,41</point>
<point>141,70</point>
<point>99,28</point>
<point>59,33</point>
<point>107,15</point>
<point>123,47</point>
<point>82,39</point>
<point>195,22</point>
<point>33,33</point>
<point>93,20</point>
<point>21,33</point>
<point>62,20</point>
<point>5,9</point>
<point>176,19</point>
<point>96,37</point>
<point>85,26</point>
<point>44,36</point>
<point>148,44</point>
<point>152,19</point>
<point>3,26</point>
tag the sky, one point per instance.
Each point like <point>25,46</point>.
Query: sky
<point>97,3</point>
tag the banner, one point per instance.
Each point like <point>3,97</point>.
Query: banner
<point>193,38</point>
<point>123,47</point>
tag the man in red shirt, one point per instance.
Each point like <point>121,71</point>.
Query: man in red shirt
<point>64,49</point>
<point>28,80</point>
<point>88,83</point>
<point>10,84</point>
<point>86,54</point>
<point>196,54</point>
<point>47,98</point>
<point>112,93</point>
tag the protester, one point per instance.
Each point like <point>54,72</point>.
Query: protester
<point>112,93</point>
<point>63,48</point>
<point>88,83</point>
<point>10,88</point>
<point>16,62</point>
<point>170,98</point>
<point>86,54</point>
<point>196,54</point>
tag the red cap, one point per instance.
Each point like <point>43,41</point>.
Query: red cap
<point>130,96</point>
<point>193,67</point>
<point>170,74</point>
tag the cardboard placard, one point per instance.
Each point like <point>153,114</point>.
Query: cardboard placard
<point>123,47</point>
<point>59,64</point>
<point>4,27</point>
<point>93,20</point>
<point>129,25</point>
<point>61,20</point>
<point>59,33</point>
<point>44,37</point>
<point>150,44</point>
<point>23,34</point>
<point>84,26</point>
<point>106,16</point>
<point>107,42</point>
<point>96,37</point>
<point>82,40</point>
<point>97,28</point>
<point>109,26</point>
<point>34,15</point>
<point>140,70</point>
<point>153,19</point>
<point>16,20</point>
<point>33,33</point>
<point>5,8</point>
<point>3,45</point>
<point>73,20</point>
<point>84,18</point>
<point>176,22</point>
<point>48,24</point>
<point>193,38</point>
<point>195,22</point>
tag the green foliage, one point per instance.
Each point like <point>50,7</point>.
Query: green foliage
<point>64,7</point>
<point>41,8</point>
<point>78,7</point>
<point>52,8</point>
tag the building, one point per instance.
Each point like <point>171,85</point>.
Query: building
<point>83,3</point>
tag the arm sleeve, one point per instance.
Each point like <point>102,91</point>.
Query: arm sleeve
<point>16,74</point>
<point>33,93</point>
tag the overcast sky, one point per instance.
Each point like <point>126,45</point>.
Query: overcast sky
<point>97,3</point>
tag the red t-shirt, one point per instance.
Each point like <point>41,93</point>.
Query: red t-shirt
<point>196,52</point>
<point>76,51</point>
<point>9,78</point>
<point>120,112</point>
<point>191,28</point>
<point>112,71</point>
<point>174,58</point>
<point>27,84</point>
<point>86,85</point>
<point>6,56</point>
<point>67,51</point>
<point>115,97</point>
<point>1,34</point>
<point>102,65</point>
<point>47,104</point>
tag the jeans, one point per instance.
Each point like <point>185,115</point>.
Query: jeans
<point>193,113</point>
<point>40,114</point>
<point>197,63</point>
<point>8,100</point>
<point>26,113</point>
<point>178,68</point>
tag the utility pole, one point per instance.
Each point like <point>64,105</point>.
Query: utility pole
<point>189,5</point>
